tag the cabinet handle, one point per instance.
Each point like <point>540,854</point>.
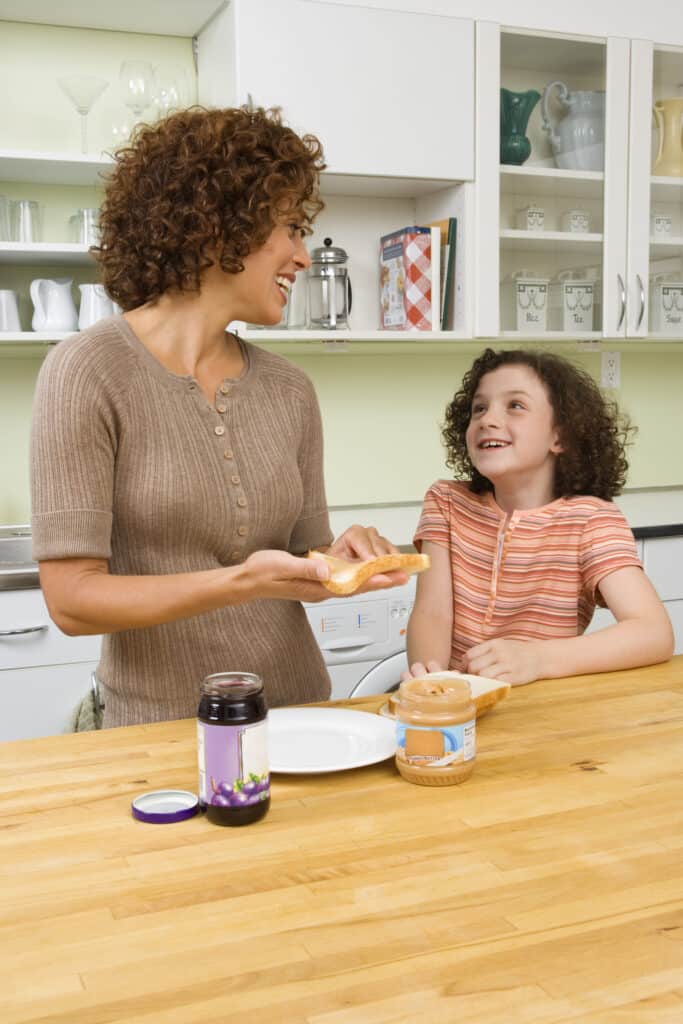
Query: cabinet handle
<point>642,300</point>
<point>23,631</point>
<point>622,289</point>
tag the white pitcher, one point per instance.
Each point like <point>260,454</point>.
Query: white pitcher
<point>53,305</point>
<point>578,140</point>
<point>95,304</point>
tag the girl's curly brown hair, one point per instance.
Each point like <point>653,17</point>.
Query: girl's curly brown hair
<point>592,431</point>
<point>201,186</point>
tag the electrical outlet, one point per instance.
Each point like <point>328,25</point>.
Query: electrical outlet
<point>611,370</point>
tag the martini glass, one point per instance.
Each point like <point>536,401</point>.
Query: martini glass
<point>83,90</point>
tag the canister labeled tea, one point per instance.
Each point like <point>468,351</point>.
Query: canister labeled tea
<point>232,747</point>
<point>435,731</point>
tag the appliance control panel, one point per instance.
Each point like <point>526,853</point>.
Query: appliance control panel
<point>369,626</point>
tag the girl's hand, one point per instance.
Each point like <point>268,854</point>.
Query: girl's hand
<point>361,542</point>
<point>418,669</point>
<point>511,661</point>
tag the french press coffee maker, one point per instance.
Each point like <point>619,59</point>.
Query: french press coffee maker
<point>329,287</point>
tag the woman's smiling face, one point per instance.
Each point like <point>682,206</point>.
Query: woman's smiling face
<point>258,294</point>
<point>511,434</point>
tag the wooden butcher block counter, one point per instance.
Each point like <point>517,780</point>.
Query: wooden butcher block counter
<point>547,888</point>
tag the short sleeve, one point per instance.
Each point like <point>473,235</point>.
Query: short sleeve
<point>312,528</point>
<point>607,544</point>
<point>435,519</point>
<point>73,451</point>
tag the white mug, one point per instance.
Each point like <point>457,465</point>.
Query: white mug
<point>54,309</point>
<point>9,311</point>
<point>95,304</point>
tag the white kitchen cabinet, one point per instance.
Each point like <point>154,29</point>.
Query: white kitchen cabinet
<point>662,559</point>
<point>619,253</point>
<point>43,673</point>
<point>389,92</point>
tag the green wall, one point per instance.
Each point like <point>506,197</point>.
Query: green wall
<point>381,416</point>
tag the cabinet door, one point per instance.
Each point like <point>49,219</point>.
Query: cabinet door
<point>389,93</point>
<point>551,189</point>
<point>663,563</point>
<point>40,701</point>
<point>28,636</point>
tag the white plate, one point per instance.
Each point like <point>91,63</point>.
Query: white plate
<point>303,740</point>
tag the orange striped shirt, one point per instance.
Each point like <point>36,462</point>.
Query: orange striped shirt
<point>531,574</point>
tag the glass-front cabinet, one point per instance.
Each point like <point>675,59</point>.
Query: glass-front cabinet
<point>553,191</point>
<point>656,193</point>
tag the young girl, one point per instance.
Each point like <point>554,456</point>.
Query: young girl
<point>525,547</point>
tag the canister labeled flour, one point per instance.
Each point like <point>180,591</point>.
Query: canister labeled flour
<point>234,780</point>
<point>435,731</point>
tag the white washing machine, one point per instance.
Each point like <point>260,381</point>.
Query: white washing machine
<point>354,633</point>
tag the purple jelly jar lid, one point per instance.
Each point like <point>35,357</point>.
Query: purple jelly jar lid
<point>162,806</point>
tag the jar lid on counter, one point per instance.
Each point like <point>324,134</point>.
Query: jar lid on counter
<point>163,806</point>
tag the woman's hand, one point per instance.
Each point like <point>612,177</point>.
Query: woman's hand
<point>281,575</point>
<point>511,661</point>
<point>418,669</point>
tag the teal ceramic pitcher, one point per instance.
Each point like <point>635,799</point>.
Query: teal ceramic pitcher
<point>515,111</point>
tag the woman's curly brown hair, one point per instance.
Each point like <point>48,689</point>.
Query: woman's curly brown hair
<point>201,186</point>
<point>592,431</point>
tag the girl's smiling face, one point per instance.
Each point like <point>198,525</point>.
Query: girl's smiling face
<point>511,437</point>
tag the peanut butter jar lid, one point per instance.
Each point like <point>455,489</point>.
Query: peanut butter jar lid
<point>427,695</point>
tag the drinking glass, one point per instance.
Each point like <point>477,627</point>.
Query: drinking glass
<point>137,83</point>
<point>25,220</point>
<point>4,219</point>
<point>171,90</point>
<point>84,225</point>
<point>83,90</point>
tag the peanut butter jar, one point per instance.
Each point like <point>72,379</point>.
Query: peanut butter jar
<point>435,731</point>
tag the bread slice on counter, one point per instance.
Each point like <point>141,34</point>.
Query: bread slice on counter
<point>346,577</point>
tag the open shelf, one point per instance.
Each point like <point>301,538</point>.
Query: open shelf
<point>28,253</point>
<point>52,168</point>
<point>278,336</point>
<point>77,169</point>
<point>550,181</point>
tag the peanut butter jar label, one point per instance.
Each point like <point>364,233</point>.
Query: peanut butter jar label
<point>436,746</point>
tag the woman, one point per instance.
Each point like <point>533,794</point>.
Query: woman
<point>177,470</point>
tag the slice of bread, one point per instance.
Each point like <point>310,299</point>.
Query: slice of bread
<point>346,577</point>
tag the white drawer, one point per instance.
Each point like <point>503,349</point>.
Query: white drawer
<point>41,701</point>
<point>43,643</point>
<point>663,563</point>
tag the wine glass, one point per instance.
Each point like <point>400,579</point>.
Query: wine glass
<point>137,83</point>
<point>83,90</point>
<point>170,89</point>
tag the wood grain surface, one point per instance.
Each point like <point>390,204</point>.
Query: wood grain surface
<point>546,889</point>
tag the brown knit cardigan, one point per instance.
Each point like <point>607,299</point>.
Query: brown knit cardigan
<point>131,463</point>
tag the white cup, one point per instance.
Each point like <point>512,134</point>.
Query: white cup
<point>9,311</point>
